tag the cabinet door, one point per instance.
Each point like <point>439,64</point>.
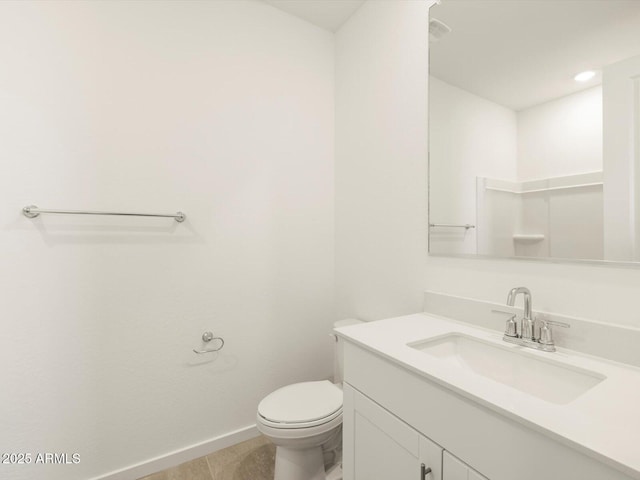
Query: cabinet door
<point>454,469</point>
<point>379,446</point>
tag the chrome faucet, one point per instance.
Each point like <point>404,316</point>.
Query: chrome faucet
<point>529,334</point>
<point>526,325</point>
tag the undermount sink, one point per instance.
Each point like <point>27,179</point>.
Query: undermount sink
<point>545,379</point>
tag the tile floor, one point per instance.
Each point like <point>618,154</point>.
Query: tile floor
<point>250,460</point>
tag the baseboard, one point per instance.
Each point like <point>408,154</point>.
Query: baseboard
<point>183,455</point>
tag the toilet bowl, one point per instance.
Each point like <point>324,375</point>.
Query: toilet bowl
<point>302,420</point>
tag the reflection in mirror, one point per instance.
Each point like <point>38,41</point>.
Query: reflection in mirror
<point>526,159</point>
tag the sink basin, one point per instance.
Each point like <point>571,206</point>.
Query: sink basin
<point>546,379</point>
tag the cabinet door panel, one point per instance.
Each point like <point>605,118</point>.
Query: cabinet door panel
<point>379,446</point>
<point>453,469</point>
<point>473,475</point>
<point>400,432</point>
<point>379,457</point>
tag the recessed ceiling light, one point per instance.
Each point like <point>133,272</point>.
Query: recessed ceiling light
<point>585,76</point>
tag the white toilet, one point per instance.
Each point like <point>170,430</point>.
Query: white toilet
<point>304,421</point>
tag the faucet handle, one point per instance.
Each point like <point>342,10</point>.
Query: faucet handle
<point>546,334</point>
<point>511,328</point>
<point>557,324</point>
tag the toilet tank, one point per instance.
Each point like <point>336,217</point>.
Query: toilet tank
<point>338,356</point>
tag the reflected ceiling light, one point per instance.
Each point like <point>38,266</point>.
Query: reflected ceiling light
<point>585,76</point>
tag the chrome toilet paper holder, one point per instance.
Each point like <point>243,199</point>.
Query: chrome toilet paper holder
<point>208,337</point>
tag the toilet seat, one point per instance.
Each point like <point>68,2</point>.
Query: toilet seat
<point>297,425</point>
<point>301,405</point>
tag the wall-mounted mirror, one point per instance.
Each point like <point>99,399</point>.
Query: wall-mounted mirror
<point>528,158</point>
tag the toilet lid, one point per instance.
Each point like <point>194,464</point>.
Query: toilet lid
<point>301,402</point>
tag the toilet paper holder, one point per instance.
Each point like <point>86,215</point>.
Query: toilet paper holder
<point>207,337</point>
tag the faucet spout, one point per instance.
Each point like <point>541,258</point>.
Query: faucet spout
<point>528,333</point>
<point>526,326</point>
<point>511,300</point>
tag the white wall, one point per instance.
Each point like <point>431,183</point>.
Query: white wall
<point>576,223</point>
<point>595,292</point>
<point>381,159</point>
<point>469,137</point>
<point>472,137</point>
<point>561,137</point>
<point>499,213</point>
<point>224,110</point>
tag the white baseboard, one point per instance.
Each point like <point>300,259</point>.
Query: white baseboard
<point>177,457</point>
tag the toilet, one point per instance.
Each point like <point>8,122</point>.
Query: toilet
<point>304,421</point>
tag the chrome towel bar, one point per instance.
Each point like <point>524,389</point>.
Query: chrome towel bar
<point>32,211</point>
<point>465,226</point>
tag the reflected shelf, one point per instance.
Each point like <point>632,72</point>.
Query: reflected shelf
<point>528,238</point>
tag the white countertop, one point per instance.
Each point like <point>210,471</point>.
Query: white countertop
<point>603,423</point>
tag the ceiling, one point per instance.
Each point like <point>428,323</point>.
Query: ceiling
<point>517,53</point>
<point>327,14</point>
<point>521,53</point>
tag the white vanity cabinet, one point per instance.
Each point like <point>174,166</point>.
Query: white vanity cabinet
<point>396,418</point>
<point>379,446</point>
